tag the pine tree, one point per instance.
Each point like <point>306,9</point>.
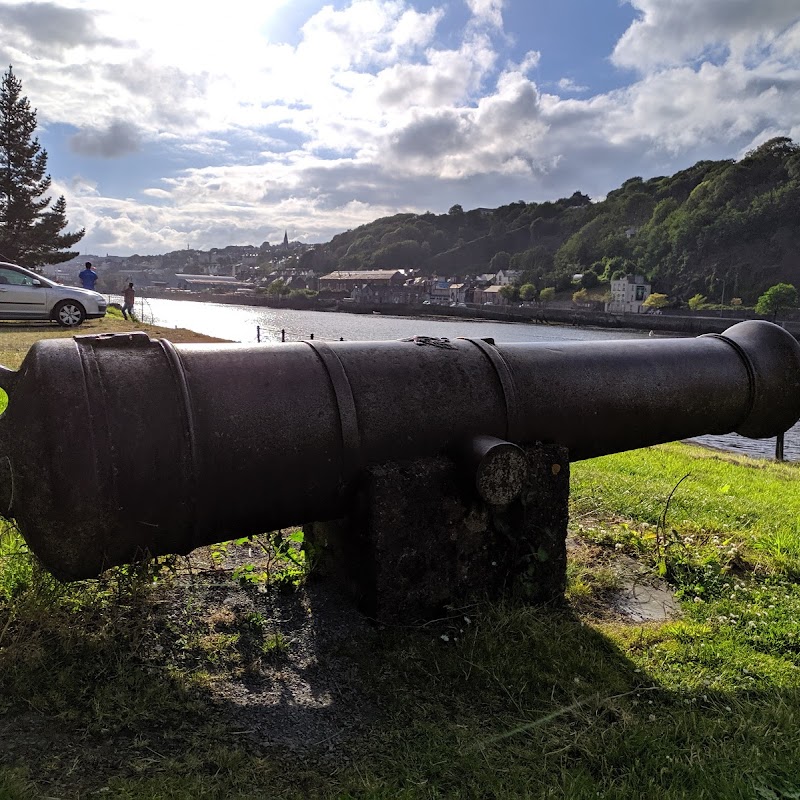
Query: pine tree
<point>31,229</point>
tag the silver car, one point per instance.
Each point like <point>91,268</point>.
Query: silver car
<point>26,295</point>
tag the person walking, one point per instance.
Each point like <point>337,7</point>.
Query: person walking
<point>88,277</point>
<point>128,297</point>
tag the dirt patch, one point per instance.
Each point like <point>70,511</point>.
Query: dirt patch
<point>632,593</point>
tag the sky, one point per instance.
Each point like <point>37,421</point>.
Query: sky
<point>171,125</point>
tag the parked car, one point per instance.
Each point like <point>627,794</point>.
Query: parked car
<point>27,295</point>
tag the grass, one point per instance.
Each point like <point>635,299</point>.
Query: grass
<point>16,338</point>
<point>107,687</point>
<point>752,512</point>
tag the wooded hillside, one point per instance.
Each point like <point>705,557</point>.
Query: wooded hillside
<point>720,228</point>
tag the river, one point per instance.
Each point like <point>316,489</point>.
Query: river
<point>246,323</point>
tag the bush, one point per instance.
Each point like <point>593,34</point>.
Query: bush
<point>697,302</point>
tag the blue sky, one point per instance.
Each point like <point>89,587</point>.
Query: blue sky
<point>241,120</point>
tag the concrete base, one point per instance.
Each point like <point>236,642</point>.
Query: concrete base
<point>419,539</point>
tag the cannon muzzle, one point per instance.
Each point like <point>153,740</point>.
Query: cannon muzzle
<point>116,446</point>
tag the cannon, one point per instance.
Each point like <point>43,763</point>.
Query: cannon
<point>117,446</point>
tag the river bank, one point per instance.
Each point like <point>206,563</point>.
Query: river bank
<point>666,322</point>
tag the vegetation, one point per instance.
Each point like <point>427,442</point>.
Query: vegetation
<point>697,302</point>
<point>527,292</point>
<point>580,297</point>
<point>718,229</point>
<point>31,225</point>
<point>547,295</point>
<point>777,298</point>
<point>656,300</point>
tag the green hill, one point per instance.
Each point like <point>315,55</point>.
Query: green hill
<point>720,228</point>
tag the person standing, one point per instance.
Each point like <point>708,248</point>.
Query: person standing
<point>88,277</point>
<point>128,297</point>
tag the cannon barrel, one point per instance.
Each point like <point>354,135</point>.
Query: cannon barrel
<point>114,446</point>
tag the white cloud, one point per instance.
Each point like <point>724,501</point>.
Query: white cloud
<point>445,78</point>
<point>568,85</point>
<point>531,61</point>
<point>368,32</point>
<point>671,31</point>
<point>488,12</point>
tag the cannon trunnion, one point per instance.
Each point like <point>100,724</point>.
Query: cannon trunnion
<point>117,446</point>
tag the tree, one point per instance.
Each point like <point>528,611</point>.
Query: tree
<point>278,287</point>
<point>511,293</point>
<point>580,297</point>
<point>31,229</point>
<point>456,210</point>
<point>656,300</point>
<point>589,279</point>
<point>527,291</point>
<point>776,298</point>
<point>547,294</point>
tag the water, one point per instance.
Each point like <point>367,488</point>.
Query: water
<point>240,323</point>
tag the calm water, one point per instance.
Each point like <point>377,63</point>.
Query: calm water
<point>240,323</point>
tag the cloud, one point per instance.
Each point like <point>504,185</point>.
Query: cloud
<point>487,12</point>
<point>530,61</point>
<point>568,85</point>
<point>445,78</point>
<point>668,33</point>
<point>49,25</point>
<point>166,95</point>
<point>119,138</point>
<point>367,32</point>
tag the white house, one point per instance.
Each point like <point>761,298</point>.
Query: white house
<point>507,276</point>
<point>628,294</point>
<point>458,292</point>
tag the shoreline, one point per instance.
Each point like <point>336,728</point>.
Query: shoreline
<point>690,325</point>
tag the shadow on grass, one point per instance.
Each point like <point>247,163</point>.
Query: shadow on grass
<point>211,690</point>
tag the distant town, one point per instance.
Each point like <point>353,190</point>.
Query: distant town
<point>276,270</point>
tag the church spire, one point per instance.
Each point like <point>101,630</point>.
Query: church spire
<point>286,239</point>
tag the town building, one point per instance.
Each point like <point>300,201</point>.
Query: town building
<point>458,292</point>
<point>199,283</point>
<point>347,280</point>
<point>628,295</point>
<point>490,295</point>
<point>439,292</point>
<point>507,276</point>
<point>373,294</point>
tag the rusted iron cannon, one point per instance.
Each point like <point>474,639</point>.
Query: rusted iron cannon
<point>116,446</point>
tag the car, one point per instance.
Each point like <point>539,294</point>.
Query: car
<point>27,295</point>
